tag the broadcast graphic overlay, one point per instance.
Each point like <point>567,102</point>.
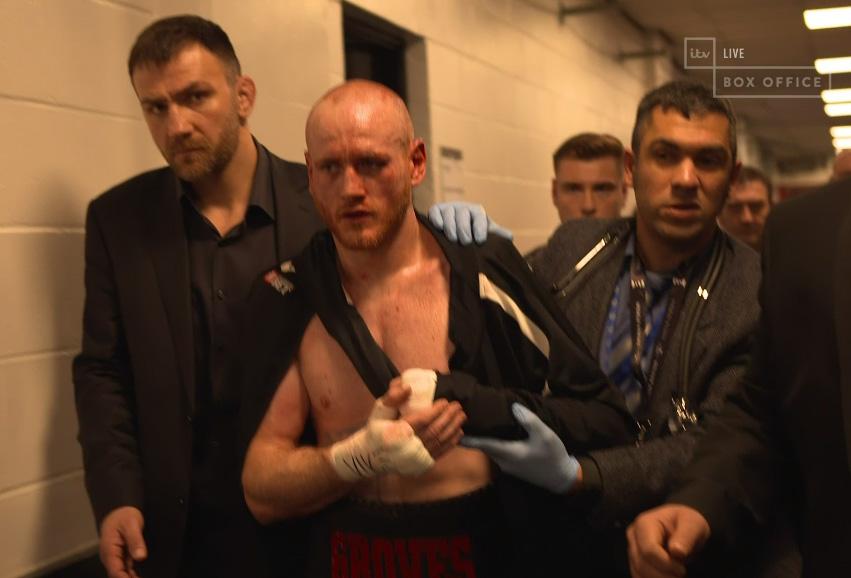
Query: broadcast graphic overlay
<point>742,80</point>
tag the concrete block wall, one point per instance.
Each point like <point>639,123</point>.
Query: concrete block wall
<point>72,128</point>
<point>504,82</point>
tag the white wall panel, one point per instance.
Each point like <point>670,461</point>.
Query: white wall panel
<point>145,6</point>
<point>42,524</point>
<point>38,424</point>
<point>71,52</point>
<point>294,53</point>
<point>62,158</point>
<point>42,288</point>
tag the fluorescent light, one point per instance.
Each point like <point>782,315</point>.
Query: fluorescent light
<point>828,18</point>
<point>836,95</point>
<point>842,143</point>
<point>840,131</point>
<point>833,65</point>
<point>838,109</point>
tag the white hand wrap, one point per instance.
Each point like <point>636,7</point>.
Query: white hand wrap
<point>423,383</point>
<point>383,445</point>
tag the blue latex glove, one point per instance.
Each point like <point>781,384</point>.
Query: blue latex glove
<point>465,222</point>
<point>541,459</point>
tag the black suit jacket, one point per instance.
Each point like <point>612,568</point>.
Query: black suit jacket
<point>134,379</point>
<point>786,435</point>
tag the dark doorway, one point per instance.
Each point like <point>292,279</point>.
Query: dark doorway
<point>375,49</point>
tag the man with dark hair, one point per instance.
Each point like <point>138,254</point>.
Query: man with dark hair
<point>747,206</point>
<point>783,439</point>
<point>666,301</point>
<point>589,177</point>
<point>161,41</point>
<point>170,257</point>
<point>687,98</point>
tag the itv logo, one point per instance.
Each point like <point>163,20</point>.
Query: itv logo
<point>699,52</point>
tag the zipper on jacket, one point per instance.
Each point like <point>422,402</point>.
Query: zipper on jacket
<point>560,287</point>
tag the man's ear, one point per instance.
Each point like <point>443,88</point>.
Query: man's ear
<point>734,174</point>
<point>418,161</point>
<point>309,162</point>
<point>246,93</point>
<point>554,192</point>
<point>628,169</point>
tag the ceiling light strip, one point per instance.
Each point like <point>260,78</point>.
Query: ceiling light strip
<point>838,109</point>
<point>828,18</point>
<point>840,131</point>
<point>833,65</point>
<point>836,95</point>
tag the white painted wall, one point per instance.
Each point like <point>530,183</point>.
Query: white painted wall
<point>71,128</point>
<point>504,82</point>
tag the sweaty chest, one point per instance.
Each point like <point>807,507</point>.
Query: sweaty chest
<point>411,325</point>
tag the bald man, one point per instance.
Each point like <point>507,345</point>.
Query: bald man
<point>387,488</point>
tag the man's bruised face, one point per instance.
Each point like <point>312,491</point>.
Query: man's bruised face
<point>362,164</point>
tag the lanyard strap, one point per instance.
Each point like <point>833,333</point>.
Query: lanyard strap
<point>638,313</point>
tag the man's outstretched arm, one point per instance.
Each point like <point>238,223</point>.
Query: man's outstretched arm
<point>279,478</point>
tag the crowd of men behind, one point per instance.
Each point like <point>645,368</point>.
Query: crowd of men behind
<point>286,371</point>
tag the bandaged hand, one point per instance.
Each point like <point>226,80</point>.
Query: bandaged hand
<point>423,383</point>
<point>384,445</point>
<point>541,459</point>
<point>436,422</point>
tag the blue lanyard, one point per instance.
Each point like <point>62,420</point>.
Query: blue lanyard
<point>638,314</point>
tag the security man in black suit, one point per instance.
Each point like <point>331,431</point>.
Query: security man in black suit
<point>171,255</point>
<point>784,438</point>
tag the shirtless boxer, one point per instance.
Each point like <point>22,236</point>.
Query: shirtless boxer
<point>387,493</point>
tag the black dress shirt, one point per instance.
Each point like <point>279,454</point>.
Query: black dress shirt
<point>222,269</point>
